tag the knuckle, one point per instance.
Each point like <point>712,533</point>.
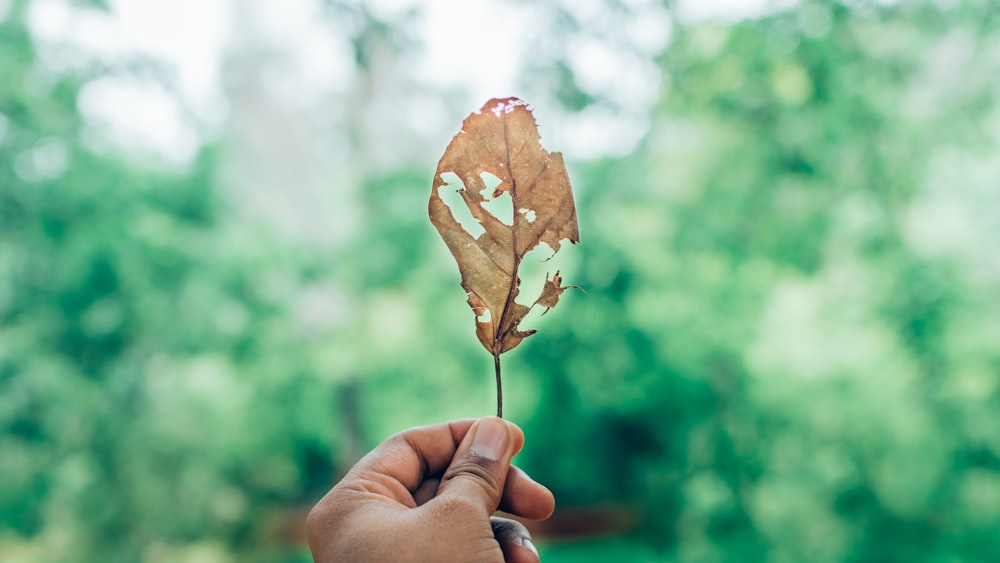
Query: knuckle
<point>457,506</point>
<point>318,516</point>
<point>479,470</point>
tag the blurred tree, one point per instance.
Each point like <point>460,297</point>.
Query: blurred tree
<point>787,350</point>
<point>156,398</point>
<point>765,370</point>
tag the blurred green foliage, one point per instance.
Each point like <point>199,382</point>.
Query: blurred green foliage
<point>788,349</point>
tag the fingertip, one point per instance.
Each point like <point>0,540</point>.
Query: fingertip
<point>517,437</point>
<point>523,551</point>
<point>527,544</point>
<point>514,540</point>
<point>525,497</point>
<point>513,433</point>
<point>493,439</point>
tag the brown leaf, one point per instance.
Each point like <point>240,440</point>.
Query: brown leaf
<point>551,292</point>
<point>502,140</point>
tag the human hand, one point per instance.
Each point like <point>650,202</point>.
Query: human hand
<point>428,494</point>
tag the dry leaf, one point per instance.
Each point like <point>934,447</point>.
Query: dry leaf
<point>551,292</point>
<point>502,140</point>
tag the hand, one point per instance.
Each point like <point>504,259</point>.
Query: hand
<point>428,494</point>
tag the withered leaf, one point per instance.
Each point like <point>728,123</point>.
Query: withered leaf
<point>502,139</point>
<point>551,292</point>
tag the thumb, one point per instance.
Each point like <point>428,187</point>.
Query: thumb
<point>479,469</point>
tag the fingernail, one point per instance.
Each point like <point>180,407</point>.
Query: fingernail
<point>490,441</point>
<point>526,542</point>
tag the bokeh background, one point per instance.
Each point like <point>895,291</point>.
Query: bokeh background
<point>219,286</point>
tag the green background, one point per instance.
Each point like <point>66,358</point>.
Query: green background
<point>788,349</point>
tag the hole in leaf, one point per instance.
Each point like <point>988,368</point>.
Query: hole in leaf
<point>501,207</point>
<point>533,318</point>
<point>491,183</point>
<point>485,317</point>
<point>529,214</point>
<point>449,194</point>
<point>535,266</point>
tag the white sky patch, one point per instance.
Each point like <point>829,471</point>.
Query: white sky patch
<point>185,35</point>
<point>596,65</point>
<point>155,122</point>
<point>313,60</point>
<point>728,10</point>
<point>189,34</point>
<point>391,9</point>
<point>599,131</point>
<point>182,38</point>
<point>476,48</point>
<point>650,32</point>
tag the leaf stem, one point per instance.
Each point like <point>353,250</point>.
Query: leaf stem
<point>496,366</point>
<point>514,281</point>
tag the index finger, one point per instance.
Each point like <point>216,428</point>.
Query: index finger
<point>412,455</point>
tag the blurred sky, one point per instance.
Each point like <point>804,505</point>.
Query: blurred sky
<point>191,39</point>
